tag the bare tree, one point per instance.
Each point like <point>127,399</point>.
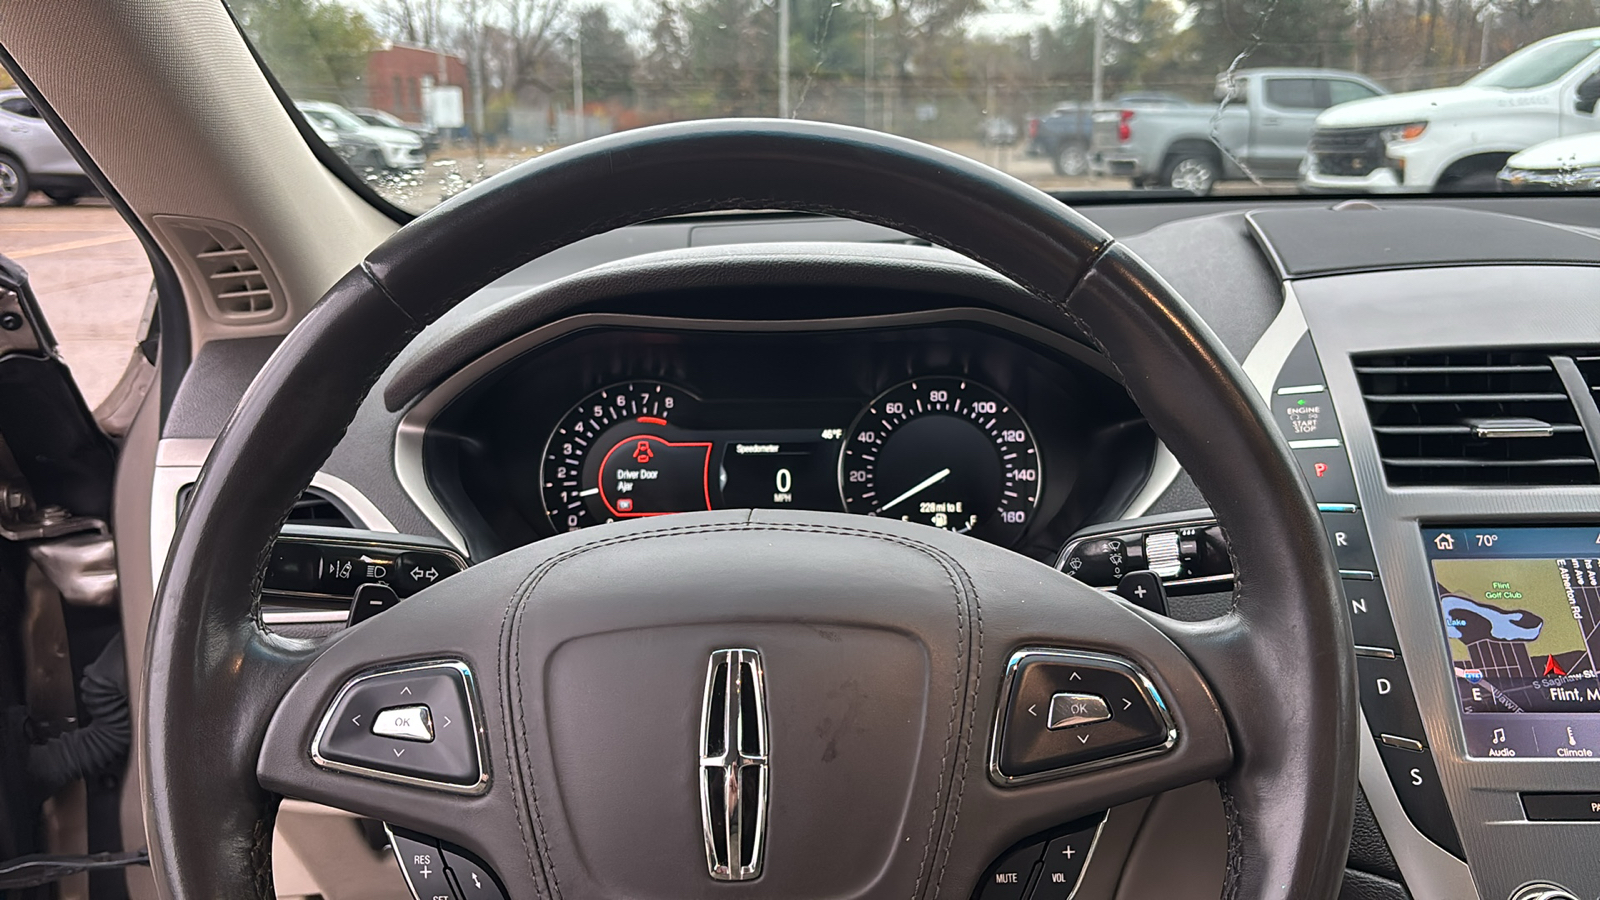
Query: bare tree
<point>411,21</point>
<point>529,35</point>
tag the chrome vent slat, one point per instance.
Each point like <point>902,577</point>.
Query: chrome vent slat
<point>1448,462</point>
<point>1449,370</point>
<point>1459,429</point>
<point>1468,398</point>
<point>1475,418</point>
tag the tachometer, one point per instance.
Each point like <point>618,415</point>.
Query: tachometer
<point>616,456</point>
<point>943,452</point>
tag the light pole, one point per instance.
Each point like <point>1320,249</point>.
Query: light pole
<point>1098,92</point>
<point>579,126</point>
<point>783,59</point>
<point>872,64</point>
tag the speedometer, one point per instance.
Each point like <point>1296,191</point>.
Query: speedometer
<point>943,452</point>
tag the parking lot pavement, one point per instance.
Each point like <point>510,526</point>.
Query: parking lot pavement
<point>92,280</point>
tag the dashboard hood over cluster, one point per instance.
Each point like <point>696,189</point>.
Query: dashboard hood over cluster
<point>896,267</point>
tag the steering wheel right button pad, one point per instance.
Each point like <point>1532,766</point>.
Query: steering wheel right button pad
<point>1119,715</point>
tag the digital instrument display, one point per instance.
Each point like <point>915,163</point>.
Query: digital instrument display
<point>939,451</point>
<point>1521,614</point>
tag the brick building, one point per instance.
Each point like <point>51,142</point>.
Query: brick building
<point>397,73</point>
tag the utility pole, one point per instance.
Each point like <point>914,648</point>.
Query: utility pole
<point>872,64</point>
<point>579,126</point>
<point>477,78</point>
<point>1483,45</point>
<point>783,59</point>
<point>1098,94</point>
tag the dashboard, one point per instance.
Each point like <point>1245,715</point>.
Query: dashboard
<point>963,420</point>
<point>771,361</point>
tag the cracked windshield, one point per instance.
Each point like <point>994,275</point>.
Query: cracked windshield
<point>1143,98</point>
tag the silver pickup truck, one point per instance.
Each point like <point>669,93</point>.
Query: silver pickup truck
<point>1265,126</point>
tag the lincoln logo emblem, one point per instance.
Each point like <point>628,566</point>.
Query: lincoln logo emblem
<point>733,765</point>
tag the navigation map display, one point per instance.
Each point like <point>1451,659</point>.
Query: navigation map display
<point>1521,615</point>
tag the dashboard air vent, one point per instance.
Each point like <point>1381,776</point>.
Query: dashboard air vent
<point>312,508</point>
<point>1475,418</point>
<point>238,286</point>
<point>316,508</point>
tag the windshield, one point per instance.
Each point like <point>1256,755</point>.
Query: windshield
<point>1124,99</point>
<point>1536,66</point>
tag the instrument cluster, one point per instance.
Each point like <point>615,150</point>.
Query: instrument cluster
<point>1014,438</point>
<point>943,451</point>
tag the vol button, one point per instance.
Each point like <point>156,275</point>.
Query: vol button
<point>1064,859</point>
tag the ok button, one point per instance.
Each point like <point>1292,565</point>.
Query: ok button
<point>409,723</point>
<point>1068,710</point>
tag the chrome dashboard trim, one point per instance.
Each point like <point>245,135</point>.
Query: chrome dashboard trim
<point>305,616</point>
<point>413,428</point>
<point>178,463</point>
<point>1430,872</point>
<point>1261,364</point>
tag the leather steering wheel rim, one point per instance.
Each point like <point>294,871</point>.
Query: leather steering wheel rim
<point>214,672</point>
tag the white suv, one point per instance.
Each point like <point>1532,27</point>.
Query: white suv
<point>399,148</point>
<point>32,158</point>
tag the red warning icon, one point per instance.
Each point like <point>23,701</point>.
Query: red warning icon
<point>642,453</point>
<point>1551,667</point>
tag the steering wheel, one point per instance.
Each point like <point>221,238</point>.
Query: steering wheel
<point>818,704</point>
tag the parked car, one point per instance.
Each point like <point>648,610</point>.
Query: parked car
<point>358,151</point>
<point>998,131</point>
<point>1459,138</point>
<point>32,158</point>
<point>1570,163</point>
<point>397,147</point>
<point>384,119</point>
<point>1264,122</point>
<point>1063,136</point>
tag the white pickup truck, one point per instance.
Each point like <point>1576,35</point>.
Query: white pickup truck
<point>1457,139</point>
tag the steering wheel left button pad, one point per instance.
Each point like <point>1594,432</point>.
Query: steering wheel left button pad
<point>1068,710</point>
<point>413,725</point>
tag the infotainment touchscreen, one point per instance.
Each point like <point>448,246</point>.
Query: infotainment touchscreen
<point>1521,614</point>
